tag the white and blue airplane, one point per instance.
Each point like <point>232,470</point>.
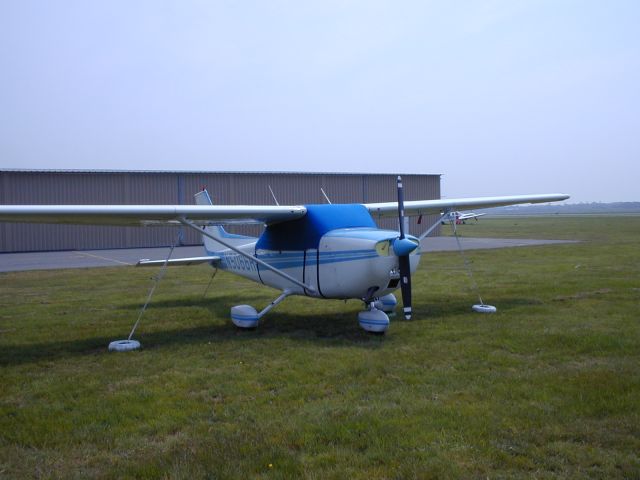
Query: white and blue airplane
<point>326,251</point>
<point>460,218</point>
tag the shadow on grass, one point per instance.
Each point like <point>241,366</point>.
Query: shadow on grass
<point>332,328</point>
<point>336,329</point>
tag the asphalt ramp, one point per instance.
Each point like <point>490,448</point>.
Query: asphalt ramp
<point>10,262</point>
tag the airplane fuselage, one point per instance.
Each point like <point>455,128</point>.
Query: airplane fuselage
<point>337,251</point>
<point>348,263</point>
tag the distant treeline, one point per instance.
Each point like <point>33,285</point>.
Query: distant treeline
<point>577,208</point>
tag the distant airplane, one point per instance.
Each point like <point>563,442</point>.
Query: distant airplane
<point>323,251</point>
<point>461,218</point>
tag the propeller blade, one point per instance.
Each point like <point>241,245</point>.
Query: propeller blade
<point>403,260</point>
<point>405,285</point>
<point>401,207</point>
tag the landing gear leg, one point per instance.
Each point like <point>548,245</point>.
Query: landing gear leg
<point>387,303</point>
<point>245,316</point>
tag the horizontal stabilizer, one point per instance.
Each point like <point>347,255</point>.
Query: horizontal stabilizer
<point>177,261</point>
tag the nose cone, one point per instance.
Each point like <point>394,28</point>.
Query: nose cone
<point>403,247</point>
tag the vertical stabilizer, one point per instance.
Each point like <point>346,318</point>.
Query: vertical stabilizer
<point>203,198</point>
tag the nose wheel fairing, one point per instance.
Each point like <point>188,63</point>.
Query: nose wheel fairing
<point>373,320</point>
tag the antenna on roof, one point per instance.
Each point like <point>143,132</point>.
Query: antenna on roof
<point>273,195</point>
<point>325,195</point>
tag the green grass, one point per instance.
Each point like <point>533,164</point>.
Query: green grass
<point>559,227</point>
<point>546,388</point>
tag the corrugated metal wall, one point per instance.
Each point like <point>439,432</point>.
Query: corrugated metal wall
<point>157,188</point>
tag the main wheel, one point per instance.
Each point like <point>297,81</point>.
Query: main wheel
<point>374,320</point>
<point>244,316</point>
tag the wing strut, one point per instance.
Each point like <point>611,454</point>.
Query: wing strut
<point>445,217</point>
<point>253,258</point>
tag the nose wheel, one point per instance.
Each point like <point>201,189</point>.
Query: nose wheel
<point>373,320</point>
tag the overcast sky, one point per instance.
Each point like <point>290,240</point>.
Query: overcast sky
<point>501,97</point>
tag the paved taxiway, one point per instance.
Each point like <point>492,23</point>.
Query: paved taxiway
<point>10,262</point>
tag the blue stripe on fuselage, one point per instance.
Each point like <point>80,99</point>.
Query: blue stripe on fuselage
<point>232,261</point>
<point>296,259</point>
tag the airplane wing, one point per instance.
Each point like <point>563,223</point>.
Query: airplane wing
<point>424,207</point>
<point>153,215</point>
<point>149,215</point>
<point>177,261</point>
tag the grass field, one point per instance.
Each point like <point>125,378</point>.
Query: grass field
<point>548,387</point>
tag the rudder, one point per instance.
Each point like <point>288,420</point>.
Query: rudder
<point>203,198</point>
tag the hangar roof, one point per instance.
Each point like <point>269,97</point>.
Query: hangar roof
<point>53,170</point>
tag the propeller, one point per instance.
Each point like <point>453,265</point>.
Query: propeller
<point>402,247</point>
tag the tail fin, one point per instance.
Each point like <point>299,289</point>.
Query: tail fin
<point>203,198</point>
